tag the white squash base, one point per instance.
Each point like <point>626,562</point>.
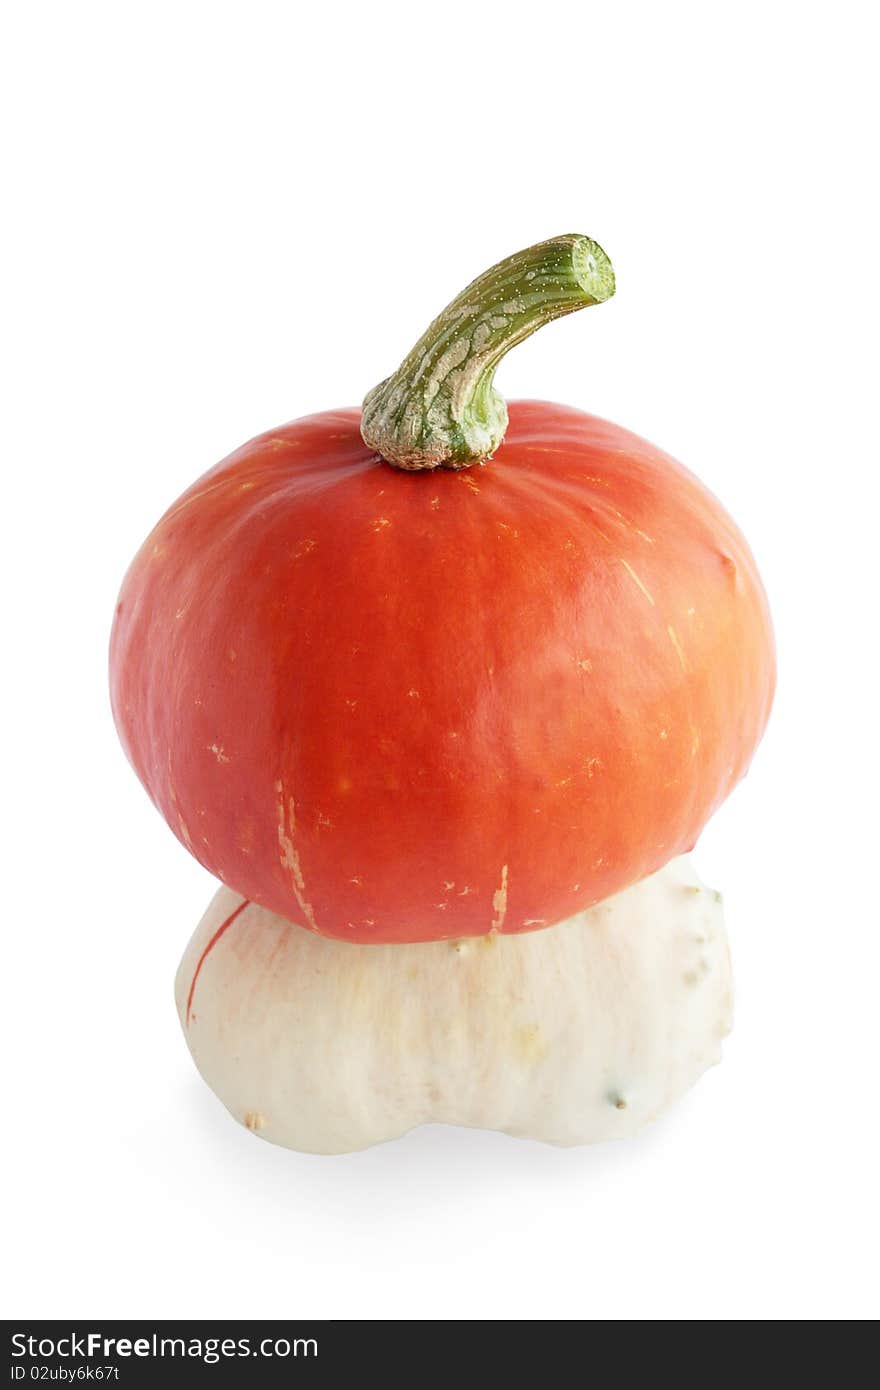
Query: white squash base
<point>578,1033</point>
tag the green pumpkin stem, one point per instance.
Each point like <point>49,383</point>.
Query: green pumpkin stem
<point>440,409</point>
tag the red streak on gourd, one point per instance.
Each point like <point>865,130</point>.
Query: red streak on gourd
<point>223,927</point>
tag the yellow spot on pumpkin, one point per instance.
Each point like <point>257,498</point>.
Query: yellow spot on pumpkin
<point>499,902</point>
<point>290,855</point>
<point>637,581</point>
<point>673,637</point>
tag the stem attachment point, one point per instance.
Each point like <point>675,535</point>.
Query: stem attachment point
<point>440,409</point>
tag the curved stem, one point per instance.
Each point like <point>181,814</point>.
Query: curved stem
<point>440,408</point>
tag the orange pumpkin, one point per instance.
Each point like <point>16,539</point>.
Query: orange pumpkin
<point>396,689</point>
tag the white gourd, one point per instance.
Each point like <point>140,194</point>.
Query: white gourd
<point>577,1033</point>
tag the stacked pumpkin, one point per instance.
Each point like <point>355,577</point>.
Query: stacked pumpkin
<point>445,715</point>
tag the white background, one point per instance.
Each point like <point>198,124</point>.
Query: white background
<point>222,216</point>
